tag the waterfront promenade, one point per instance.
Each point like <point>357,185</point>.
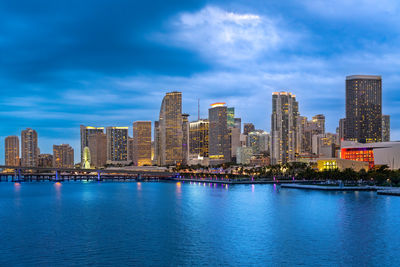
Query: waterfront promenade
<point>381,190</point>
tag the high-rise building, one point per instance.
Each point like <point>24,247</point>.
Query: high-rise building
<point>306,130</point>
<point>258,141</point>
<point>117,144</point>
<point>130,148</point>
<point>198,138</point>
<point>12,151</point>
<point>219,146</point>
<point>248,127</point>
<point>45,160</point>
<point>157,144</point>
<point>363,108</point>
<point>63,156</point>
<point>238,124</point>
<point>285,112</point>
<point>385,128</point>
<point>29,148</point>
<point>170,130</point>
<point>142,143</point>
<point>97,143</point>
<point>231,117</point>
<point>86,131</point>
<point>342,127</point>
<point>324,145</point>
<point>185,139</point>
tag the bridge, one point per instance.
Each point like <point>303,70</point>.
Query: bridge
<point>29,174</point>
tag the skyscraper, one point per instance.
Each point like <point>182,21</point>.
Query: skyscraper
<point>29,148</point>
<point>307,129</point>
<point>238,124</point>
<point>142,143</point>
<point>12,151</point>
<point>117,144</point>
<point>157,144</point>
<point>86,131</point>
<point>170,129</point>
<point>198,138</point>
<point>231,117</point>
<point>258,141</point>
<point>363,108</point>
<point>385,128</point>
<point>63,156</point>
<point>342,127</point>
<point>97,143</point>
<point>219,147</point>
<point>285,112</point>
<point>248,127</point>
<point>185,138</point>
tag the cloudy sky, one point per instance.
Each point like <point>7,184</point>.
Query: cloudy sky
<point>109,63</point>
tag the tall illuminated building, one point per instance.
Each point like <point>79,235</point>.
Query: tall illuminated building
<point>86,131</point>
<point>306,129</point>
<point>157,144</point>
<point>117,144</point>
<point>231,117</point>
<point>29,148</point>
<point>385,128</point>
<point>185,138</point>
<point>285,112</point>
<point>142,143</point>
<point>363,108</point>
<point>170,130</point>
<point>219,147</point>
<point>63,156</point>
<point>258,141</point>
<point>12,151</point>
<point>248,127</point>
<point>97,144</point>
<point>198,138</point>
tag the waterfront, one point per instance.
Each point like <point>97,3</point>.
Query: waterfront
<point>172,224</point>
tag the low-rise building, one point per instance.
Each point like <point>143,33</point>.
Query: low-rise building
<point>376,154</point>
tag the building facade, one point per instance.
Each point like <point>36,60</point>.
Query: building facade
<point>63,156</point>
<point>185,139</point>
<point>198,138</point>
<point>219,147</point>
<point>170,130</point>
<point>142,143</point>
<point>363,108</point>
<point>285,112</point>
<point>29,148</point>
<point>45,160</point>
<point>248,127</point>
<point>117,145</point>
<point>11,147</point>
<point>86,131</point>
<point>385,128</point>
<point>97,143</point>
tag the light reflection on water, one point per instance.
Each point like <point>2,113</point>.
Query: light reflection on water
<point>174,224</point>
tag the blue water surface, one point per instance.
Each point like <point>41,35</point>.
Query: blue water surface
<point>175,224</point>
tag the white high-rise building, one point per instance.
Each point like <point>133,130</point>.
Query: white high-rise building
<point>285,111</point>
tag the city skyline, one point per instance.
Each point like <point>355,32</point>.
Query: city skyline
<point>105,83</point>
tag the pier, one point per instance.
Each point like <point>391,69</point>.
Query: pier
<point>34,174</point>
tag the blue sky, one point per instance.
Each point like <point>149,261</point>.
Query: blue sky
<point>109,63</point>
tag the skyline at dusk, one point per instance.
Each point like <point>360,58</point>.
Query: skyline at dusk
<point>64,66</point>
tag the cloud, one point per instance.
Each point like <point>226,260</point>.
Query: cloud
<point>227,37</point>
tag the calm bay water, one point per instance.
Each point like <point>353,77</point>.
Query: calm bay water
<point>169,224</point>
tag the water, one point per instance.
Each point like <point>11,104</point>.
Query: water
<point>169,224</point>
